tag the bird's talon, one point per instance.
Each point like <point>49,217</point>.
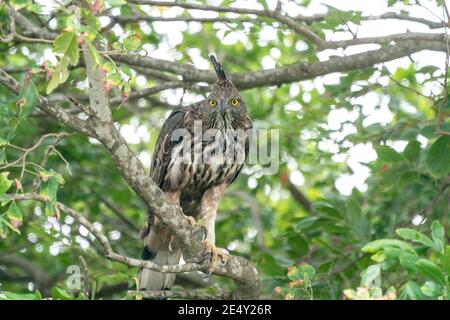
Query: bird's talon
<point>192,221</point>
<point>224,262</point>
<point>215,254</point>
<point>205,232</point>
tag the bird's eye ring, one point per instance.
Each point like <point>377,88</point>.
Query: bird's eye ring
<point>234,102</point>
<point>212,103</point>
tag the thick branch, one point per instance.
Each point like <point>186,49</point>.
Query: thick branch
<point>291,73</point>
<point>179,294</point>
<point>98,98</point>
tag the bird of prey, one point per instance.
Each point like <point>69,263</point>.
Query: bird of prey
<point>200,151</point>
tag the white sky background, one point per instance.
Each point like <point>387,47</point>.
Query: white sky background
<point>377,111</point>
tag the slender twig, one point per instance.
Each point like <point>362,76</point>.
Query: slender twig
<point>50,149</point>
<point>103,240</point>
<point>424,213</point>
<point>86,283</point>
<point>118,212</point>
<point>27,151</point>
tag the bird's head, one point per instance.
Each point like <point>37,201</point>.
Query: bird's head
<point>224,101</point>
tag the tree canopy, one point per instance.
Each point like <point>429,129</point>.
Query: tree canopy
<point>358,207</point>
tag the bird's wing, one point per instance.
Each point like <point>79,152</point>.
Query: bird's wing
<point>164,145</point>
<point>247,126</point>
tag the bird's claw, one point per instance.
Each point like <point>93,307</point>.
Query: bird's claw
<point>215,253</point>
<point>192,221</point>
<point>200,231</point>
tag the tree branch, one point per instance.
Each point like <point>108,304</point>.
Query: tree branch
<point>56,112</point>
<point>291,73</point>
<point>103,240</point>
<point>180,294</point>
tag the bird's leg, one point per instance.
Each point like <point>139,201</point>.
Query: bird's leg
<point>210,202</point>
<point>174,197</point>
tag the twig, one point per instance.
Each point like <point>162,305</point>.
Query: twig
<point>426,211</point>
<point>86,285</point>
<point>38,180</point>
<point>23,157</point>
<point>296,193</point>
<point>103,240</point>
<point>114,209</point>
<point>409,88</point>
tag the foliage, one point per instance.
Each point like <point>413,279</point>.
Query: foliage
<point>424,261</point>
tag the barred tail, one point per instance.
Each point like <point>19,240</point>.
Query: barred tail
<point>160,248</point>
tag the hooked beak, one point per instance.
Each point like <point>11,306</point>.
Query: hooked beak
<point>222,106</point>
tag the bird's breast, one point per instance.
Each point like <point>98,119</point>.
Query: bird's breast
<point>199,162</point>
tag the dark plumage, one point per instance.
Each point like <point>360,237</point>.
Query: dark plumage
<point>194,169</point>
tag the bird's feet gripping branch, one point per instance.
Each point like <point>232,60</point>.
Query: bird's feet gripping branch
<point>211,252</point>
<point>215,253</point>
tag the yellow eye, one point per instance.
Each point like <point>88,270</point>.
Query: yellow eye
<point>234,102</point>
<point>212,103</point>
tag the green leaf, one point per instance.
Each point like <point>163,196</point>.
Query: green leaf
<point>50,189</point>
<point>49,209</point>
<point>115,3</point>
<point>413,291</point>
<point>370,274</point>
<point>438,157</point>
<point>445,259</point>
<point>109,66</point>
<point>112,279</point>
<point>59,75</point>
<point>431,289</point>
<point>94,52</point>
<point>408,261</point>
<point>305,223</point>
<point>380,244</point>
<point>388,154</point>
<point>126,70</point>
<point>66,43</point>
<point>115,78</point>
<point>5,183</point>
<point>438,234</point>
<point>429,132</point>
<point>412,150</point>
<point>132,42</point>
<point>30,95</point>
<point>431,271</point>
<point>15,216</point>
<point>304,272</point>
<point>60,294</point>
<point>416,236</point>
<point>6,295</point>
<point>3,228</point>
